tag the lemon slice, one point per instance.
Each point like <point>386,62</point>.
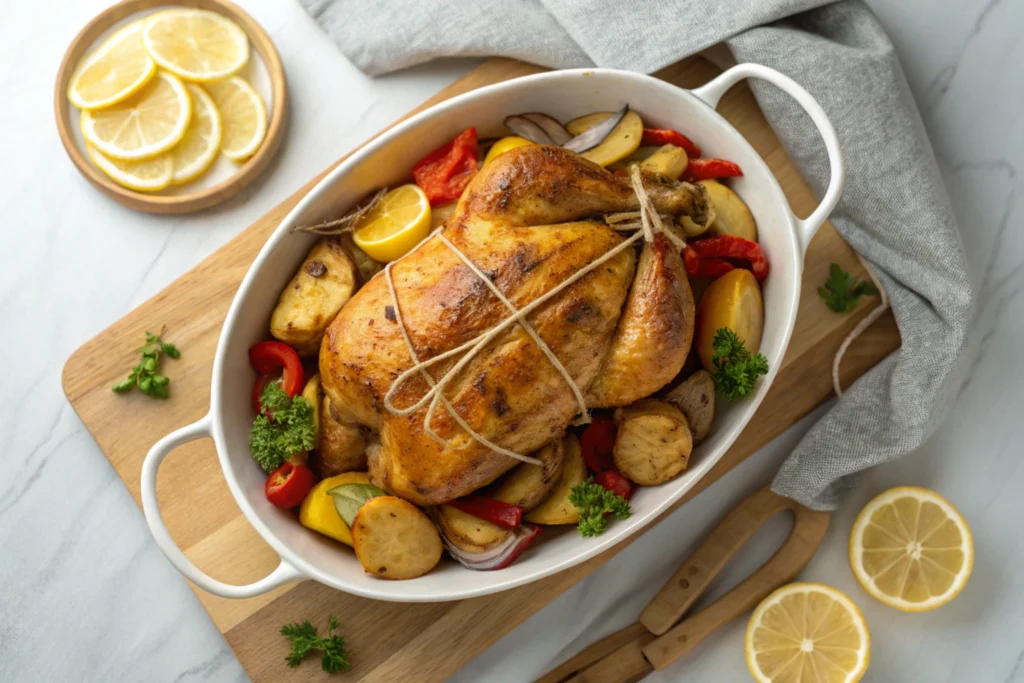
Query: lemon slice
<point>198,149</point>
<point>243,115</point>
<point>807,633</point>
<point>911,549</point>
<point>195,44</point>
<point>149,122</point>
<point>147,175</point>
<point>113,71</point>
<point>397,224</point>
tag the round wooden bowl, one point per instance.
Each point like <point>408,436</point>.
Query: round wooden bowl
<point>205,196</point>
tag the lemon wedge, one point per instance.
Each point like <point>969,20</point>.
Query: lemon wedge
<point>503,145</point>
<point>397,224</point>
<point>195,44</point>
<point>147,175</point>
<point>113,71</point>
<point>243,114</point>
<point>911,549</point>
<point>146,124</point>
<point>807,633</point>
<point>198,149</point>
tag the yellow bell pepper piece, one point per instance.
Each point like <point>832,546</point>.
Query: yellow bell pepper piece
<point>318,512</point>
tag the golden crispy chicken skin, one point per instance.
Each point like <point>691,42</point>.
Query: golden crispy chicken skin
<point>523,222</point>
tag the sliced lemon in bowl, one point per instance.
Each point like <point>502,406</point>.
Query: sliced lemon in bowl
<point>807,633</point>
<point>911,549</point>
<point>397,224</point>
<point>113,71</point>
<point>243,114</point>
<point>197,45</point>
<point>148,123</point>
<point>146,175</point>
<point>198,149</point>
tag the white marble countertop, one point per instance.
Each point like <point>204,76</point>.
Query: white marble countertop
<point>85,594</point>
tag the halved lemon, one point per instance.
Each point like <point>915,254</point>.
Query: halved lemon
<point>146,124</point>
<point>397,224</point>
<point>195,44</point>
<point>198,149</point>
<point>911,549</point>
<point>147,175</point>
<point>113,71</point>
<point>807,633</point>
<point>243,115</point>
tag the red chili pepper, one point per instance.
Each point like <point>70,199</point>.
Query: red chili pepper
<point>521,545</point>
<point>597,443</point>
<point>269,356</point>
<point>707,169</point>
<point>667,136</point>
<point>444,173</point>
<point>497,512</point>
<point>615,482</point>
<point>716,256</point>
<point>288,485</point>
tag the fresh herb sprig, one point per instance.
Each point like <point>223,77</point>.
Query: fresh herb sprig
<point>736,369</point>
<point>288,429</point>
<point>146,374</point>
<point>595,502</point>
<point>841,291</point>
<point>304,638</point>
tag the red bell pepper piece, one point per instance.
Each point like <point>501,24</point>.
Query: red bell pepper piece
<point>615,482</point>
<point>667,136</point>
<point>715,256</point>
<point>288,485</point>
<point>270,356</point>
<point>707,169</point>
<point>257,390</point>
<point>597,443</point>
<point>497,512</point>
<point>444,173</point>
<point>521,545</point>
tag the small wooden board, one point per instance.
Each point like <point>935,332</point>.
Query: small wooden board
<point>397,642</point>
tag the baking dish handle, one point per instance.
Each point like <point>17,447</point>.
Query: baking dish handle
<point>712,92</point>
<point>197,430</point>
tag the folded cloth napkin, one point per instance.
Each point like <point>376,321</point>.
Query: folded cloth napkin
<point>894,209</point>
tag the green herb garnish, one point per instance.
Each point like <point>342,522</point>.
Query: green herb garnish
<point>842,291</point>
<point>736,370</point>
<point>145,375</point>
<point>594,502</point>
<point>288,430</point>
<point>304,638</point>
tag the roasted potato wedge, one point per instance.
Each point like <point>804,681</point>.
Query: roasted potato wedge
<point>641,153</point>
<point>341,444</point>
<point>467,532</point>
<point>306,307</point>
<point>734,300</point>
<point>527,485</point>
<point>620,143</point>
<point>394,539</point>
<point>696,399</point>
<point>653,444</point>
<point>365,265</point>
<point>556,508</point>
<point>732,215</point>
<point>668,161</point>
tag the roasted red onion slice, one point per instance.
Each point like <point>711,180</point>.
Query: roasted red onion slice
<point>552,127</point>
<point>525,128</point>
<point>496,558</point>
<point>593,137</point>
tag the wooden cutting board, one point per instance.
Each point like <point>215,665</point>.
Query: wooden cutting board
<point>392,642</point>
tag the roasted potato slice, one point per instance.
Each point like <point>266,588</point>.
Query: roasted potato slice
<point>467,532</point>
<point>311,392</point>
<point>696,399</point>
<point>394,539</point>
<point>527,485</point>
<point>653,444</point>
<point>733,300</point>
<point>668,161</point>
<point>620,143</point>
<point>556,508</point>
<point>341,445</point>
<point>324,282</point>
<point>732,215</point>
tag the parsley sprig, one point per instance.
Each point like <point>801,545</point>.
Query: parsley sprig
<point>594,502</point>
<point>841,291</point>
<point>736,369</point>
<point>305,638</point>
<point>145,375</point>
<point>288,430</point>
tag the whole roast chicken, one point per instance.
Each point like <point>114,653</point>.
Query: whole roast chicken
<point>529,220</point>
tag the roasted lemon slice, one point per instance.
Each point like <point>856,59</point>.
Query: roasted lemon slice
<point>911,549</point>
<point>397,224</point>
<point>112,72</point>
<point>198,149</point>
<point>148,123</point>
<point>147,175</point>
<point>195,44</point>
<point>243,115</point>
<point>807,633</point>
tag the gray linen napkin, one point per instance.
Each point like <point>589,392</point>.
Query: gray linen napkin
<point>894,210</point>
